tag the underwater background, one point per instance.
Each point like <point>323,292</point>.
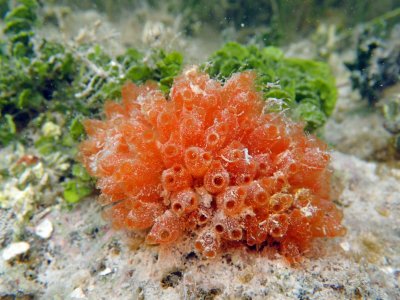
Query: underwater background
<point>333,66</point>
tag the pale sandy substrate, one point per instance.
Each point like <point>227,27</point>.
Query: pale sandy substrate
<point>84,259</point>
<point>356,128</point>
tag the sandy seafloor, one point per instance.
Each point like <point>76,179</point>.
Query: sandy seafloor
<point>84,259</point>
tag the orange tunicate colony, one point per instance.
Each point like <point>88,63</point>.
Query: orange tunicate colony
<point>208,160</point>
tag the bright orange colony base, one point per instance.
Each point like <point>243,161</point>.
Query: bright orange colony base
<point>208,160</point>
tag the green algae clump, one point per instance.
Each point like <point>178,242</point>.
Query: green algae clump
<point>306,87</point>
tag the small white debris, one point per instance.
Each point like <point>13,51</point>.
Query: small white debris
<point>308,210</point>
<point>191,70</point>
<point>105,272</point>
<point>51,129</point>
<point>15,249</point>
<point>345,246</point>
<point>44,229</point>
<point>197,90</point>
<point>275,85</point>
<point>205,197</point>
<point>264,222</point>
<point>247,156</point>
<point>90,288</point>
<point>388,270</point>
<point>78,294</point>
<point>225,159</point>
<point>152,32</point>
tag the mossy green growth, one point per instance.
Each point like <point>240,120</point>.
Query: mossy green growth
<point>391,113</point>
<point>28,76</point>
<point>38,76</point>
<point>4,7</point>
<point>48,88</point>
<point>78,187</point>
<point>8,129</point>
<point>377,56</point>
<point>307,87</point>
<point>19,24</point>
<point>135,66</point>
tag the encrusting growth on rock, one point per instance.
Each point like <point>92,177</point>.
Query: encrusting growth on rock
<point>208,160</point>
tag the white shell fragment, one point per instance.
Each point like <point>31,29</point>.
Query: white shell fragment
<point>345,246</point>
<point>105,272</point>
<point>15,249</point>
<point>78,294</point>
<point>44,229</point>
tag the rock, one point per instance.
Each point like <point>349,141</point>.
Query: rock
<point>44,229</point>
<point>15,249</point>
